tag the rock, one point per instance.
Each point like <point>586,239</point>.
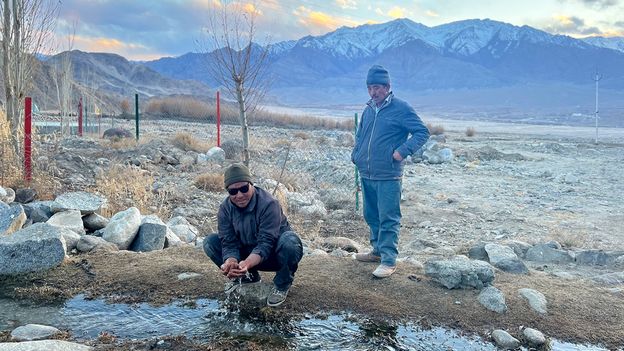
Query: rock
<point>340,253</point>
<point>71,220</point>
<point>41,345</point>
<point>189,275</point>
<point>88,243</point>
<point>38,247</point>
<point>504,340</point>
<point>123,227</point>
<point>31,332</point>
<point>215,154</point>
<point>150,237</point>
<point>7,195</point>
<point>83,201</point>
<point>547,254</point>
<point>460,273</point>
<point>597,257</point>
<point>318,252</point>
<point>118,133</point>
<point>515,266</point>
<point>492,299</point>
<point>537,300</point>
<point>477,252</point>
<point>38,211</point>
<point>12,218</point>
<point>339,242</point>
<point>519,247</point>
<point>94,221</point>
<point>25,196</point>
<point>505,259</point>
<point>534,337</point>
<point>71,238</point>
<point>184,232</point>
<point>615,278</point>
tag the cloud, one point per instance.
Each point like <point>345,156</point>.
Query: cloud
<point>397,12</point>
<point>347,4</point>
<point>431,13</point>
<point>601,4</point>
<point>320,22</point>
<point>571,25</point>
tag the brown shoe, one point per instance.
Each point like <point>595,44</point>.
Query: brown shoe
<point>384,271</point>
<point>367,257</point>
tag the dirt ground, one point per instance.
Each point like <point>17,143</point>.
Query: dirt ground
<point>331,284</point>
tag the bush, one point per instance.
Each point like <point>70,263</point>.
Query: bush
<point>470,132</point>
<point>187,142</point>
<point>210,182</point>
<point>435,130</point>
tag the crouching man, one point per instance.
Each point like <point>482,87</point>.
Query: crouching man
<point>254,235</point>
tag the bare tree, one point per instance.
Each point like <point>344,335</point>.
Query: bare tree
<point>63,81</point>
<point>26,28</point>
<point>238,64</point>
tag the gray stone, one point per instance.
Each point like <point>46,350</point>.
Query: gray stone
<point>83,201</point>
<point>597,257</point>
<point>477,252</point>
<point>534,337</point>
<point>150,237</point>
<point>43,345</point>
<point>12,218</point>
<point>94,221</point>
<point>215,154</point>
<point>497,253</point>
<point>493,299</point>
<point>184,232</point>
<point>547,254</point>
<point>339,242</point>
<point>515,266</point>
<point>71,219</point>
<point>460,273</point>
<point>25,196</point>
<point>31,332</point>
<point>71,238</point>
<point>615,278</point>
<point>38,211</point>
<point>519,247</point>
<point>188,275</point>
<point>7,195</point>
<point>123,227</point>
<point>504,340</point>
<point>88,243</point>
<point>38,247</point>
<point>536,300</point>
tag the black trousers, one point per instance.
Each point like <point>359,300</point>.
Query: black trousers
<point>284,259</point>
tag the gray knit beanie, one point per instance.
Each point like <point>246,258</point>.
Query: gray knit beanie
<point>377,75</point>
<point>237,172</point>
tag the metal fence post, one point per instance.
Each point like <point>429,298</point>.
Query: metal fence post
<point>357,174</point>
<point>27,139</point>
<point>136,113</point>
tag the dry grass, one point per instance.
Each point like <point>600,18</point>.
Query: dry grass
<point>435,130</point>
<point>302,135</point>
<point>127,186</point>
<point>187,142</point>
<point>210,182</point>
<point>470,132</point>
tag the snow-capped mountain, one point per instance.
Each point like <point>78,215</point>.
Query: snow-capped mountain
<point>470,54</point>
<point>614,43</point>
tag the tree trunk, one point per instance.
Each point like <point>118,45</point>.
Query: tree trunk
<point>243,121</point>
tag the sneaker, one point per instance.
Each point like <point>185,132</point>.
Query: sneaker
<point>276,297</point>
<point>384,271</point>
<point>367,257</point>
<point>235,283</point>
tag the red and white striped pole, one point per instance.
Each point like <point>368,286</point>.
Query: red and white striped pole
<point>28,139</point>
<point>218,120</point>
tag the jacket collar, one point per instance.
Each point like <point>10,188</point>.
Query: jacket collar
<point>385,103</point>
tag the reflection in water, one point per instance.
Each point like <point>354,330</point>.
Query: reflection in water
<point>206,320</point>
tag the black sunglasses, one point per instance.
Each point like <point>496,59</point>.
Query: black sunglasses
<point>243,189</point>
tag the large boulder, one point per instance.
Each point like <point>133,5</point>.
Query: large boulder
<point>71,220</point>
<point>12,218</point>
<point>460,273</point>
<point>38,247</point>
<point>31,332</point>
<point>123,227</point>
<point>83,201</point>
<point>546,253</point>
<point>151,236</point>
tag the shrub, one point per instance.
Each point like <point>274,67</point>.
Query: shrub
<point>210,182</point>
<point>187,142</point>
<point>435,130</point>
<point>470,132</point>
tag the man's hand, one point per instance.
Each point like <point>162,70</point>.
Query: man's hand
<point>250,262</point>
<point>229,266</point>
<point>397,156</point>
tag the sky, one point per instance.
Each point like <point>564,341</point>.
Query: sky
<point>151,29</point>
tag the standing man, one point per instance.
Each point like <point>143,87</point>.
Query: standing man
<point>254,235</point>
<point>381,145</point>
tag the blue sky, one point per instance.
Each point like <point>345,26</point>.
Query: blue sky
<point>149,29</point>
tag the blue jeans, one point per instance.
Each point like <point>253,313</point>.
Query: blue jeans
<point>284,259</point>
<point>382,212</point>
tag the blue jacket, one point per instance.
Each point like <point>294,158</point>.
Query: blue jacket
<point>254,228</point>
<point>381,133</point>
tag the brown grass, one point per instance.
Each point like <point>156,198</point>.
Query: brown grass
<point>210,182</point>
<point>470,132</point>
<point>127,186</point>
<point>187,142</point>
<point>435,130</point>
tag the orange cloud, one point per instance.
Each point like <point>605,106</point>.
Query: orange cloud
<point>397,12</point>
<point>319,21</point>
